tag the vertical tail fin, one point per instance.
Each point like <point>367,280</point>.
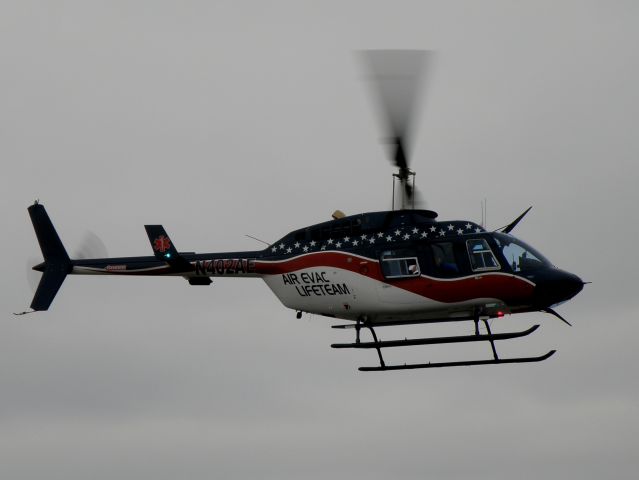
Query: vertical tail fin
<point>164,249</point>
<point>56,264</point>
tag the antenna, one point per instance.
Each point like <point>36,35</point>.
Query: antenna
<point>255,238</point>
<point>484,213</point>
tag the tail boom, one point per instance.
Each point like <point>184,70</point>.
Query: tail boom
<point>167,261</point>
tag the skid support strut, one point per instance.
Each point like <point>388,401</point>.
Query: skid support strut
<point>379,350</point>
<point>490,339</point>
<point>477,316</point>
<point>367,324</point>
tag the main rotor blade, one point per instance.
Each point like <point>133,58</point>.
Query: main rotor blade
<point>417,199</point>
<point>397,78</point>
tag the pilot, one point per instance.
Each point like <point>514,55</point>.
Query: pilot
<point>445,267</point>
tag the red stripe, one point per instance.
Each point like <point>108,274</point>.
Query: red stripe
<point>508,288</point>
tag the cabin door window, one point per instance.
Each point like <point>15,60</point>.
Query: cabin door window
<point>399,267</point>
<point>481,256</point>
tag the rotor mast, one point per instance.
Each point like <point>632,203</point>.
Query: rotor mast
<point>405,176</point>
<point>406,180</point>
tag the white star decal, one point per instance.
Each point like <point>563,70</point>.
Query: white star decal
<point>468,226</point>
<point>363,237</point>
<point>313,243</point>
<point>406,236</point>
<point>297,245</point>
<point>355,243</point>
<point>478,230</point>
<point>323,247</point>
<point>281,246</point>
<point>451,227</point>
<point>415,230</point>
<point>274,249</point>
<point>397,232</point>
<point>424,234</point>
<point>347,239</point>
<point>460,231</point>
<point>289,250</point>
<point>388,238</point>
<point>433,228</point>
<point>330,241</point>
<point>372,240</point>
<point>338,244</point>
<point>305,249</point>
<point>380,234</point>
<point>442,232</point>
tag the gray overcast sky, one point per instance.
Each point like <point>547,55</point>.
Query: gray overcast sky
<point>220,119</point>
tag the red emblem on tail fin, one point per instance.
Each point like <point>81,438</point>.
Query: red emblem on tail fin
<point>161,244</point>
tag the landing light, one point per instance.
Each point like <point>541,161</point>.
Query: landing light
<point>167,255</point>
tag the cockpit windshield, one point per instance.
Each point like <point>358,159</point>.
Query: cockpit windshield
<point>519,255</point>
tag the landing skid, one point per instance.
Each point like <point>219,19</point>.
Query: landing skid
<point>458,364</point>
<point>436,340</point>
<point>477,337</point>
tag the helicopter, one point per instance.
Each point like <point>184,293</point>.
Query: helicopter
<point>376,269</point>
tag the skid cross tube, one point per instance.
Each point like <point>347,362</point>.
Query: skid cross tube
<point>395,323</point>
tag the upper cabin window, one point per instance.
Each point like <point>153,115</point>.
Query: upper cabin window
<point>481,256</point>
<point>444,262</point>
<point>396,265</point>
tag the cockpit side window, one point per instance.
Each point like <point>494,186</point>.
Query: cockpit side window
<point>481,256</point>
<point>444,262</point>
<point>520,256</point>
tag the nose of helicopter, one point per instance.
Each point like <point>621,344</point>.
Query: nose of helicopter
<point>555,286</point>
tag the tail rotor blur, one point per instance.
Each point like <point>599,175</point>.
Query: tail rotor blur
<point>91,246</point>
